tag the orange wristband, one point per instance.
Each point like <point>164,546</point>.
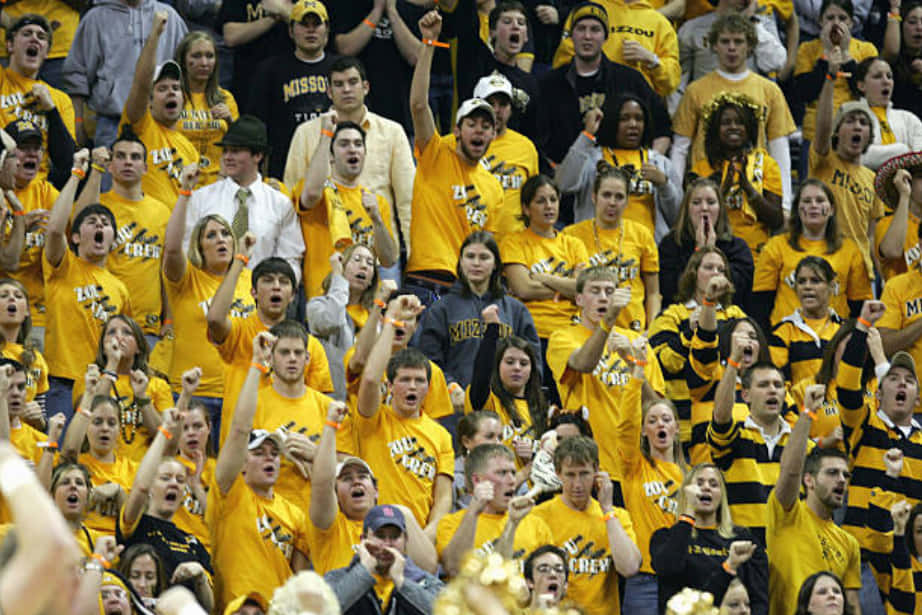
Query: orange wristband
<point>19,213</point>
<point>370,23</point>
<point>810,413</point>
<point>333,424</point>
<point>640,363</point>
<point>77,120</point>
<point>867,323</point>
<point>380,304</point>
<point>168,321</point>
<point>687,519</point>
<point>164,431</point>
<point>78,173</point>
<point>326,133</point>
<point>609,516</point>
<point>397,323</point>
<point>433,43</point>
<point>184,192</point>
<point>707,303</point>
<point>99,558</point>
<point>588,135</point>
<point>733,364</point>
<point>243,259</point>
<point>85,412</point>
<point>727,568</point>
<point>260,367</point>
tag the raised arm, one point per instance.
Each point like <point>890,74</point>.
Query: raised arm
<point>46,552</point>
<point>482,374</point>
<point>585,358</point>
<point>45,465</point>
<point>407,44</point>
<point>822,139</point>
<point>323,476</point>
<point>319,168</point>
<point>218,317</point>
<point>233,453</point>
<point>399,310</point>
<point>518,508</point>
<point>624,552</point>
<point>12,247</point>
<point>430,26</point>
<point>369,332</point>
<point>725,395</point>
<point>141,86</point>
<point>174,260</point>
<point>891,246</point>
<point>90,194</point>
<point>56,229</point>
<point>792,459</point>
<point>385,246</point>
<point>76,430</point>
<point>147,471</point>
<point>463,539</point>
<point>352,43</point>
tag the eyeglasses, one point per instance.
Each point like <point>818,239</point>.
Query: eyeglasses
<point>113,592</point>
<point>547,569</point>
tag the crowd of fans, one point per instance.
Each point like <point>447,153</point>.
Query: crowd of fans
<point>365,306</point>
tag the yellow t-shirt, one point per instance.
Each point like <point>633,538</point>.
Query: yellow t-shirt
<point>828,417</point>
<point>36,374</point>
<point>765,176</point>
<point>133,436</point>
<point>512,159</point>
<point>778,261</point>
<point>137,252</point>
<point>13,89</point>
<point>25,439</point>
<point>338,220</point>
<point>649,488</point>
<point>253,540</point>
<point>190,517</point>
<point>891,267</point>
<point>631,251</point>
<point>451,199</point>
<point>903,297</point>
<point>81,297</point>
<point>635,21</point>
<point>305,415</point>
<point>510,430</point>
<point>331,548</point>
<point>559,256</point>
<point>857,205</point>
<point>62,17</point>
<point>799,543</point>
<point>774,116</point>
<point>406,454</point>
<point>237,352</point>
<point>807,56</point>
<point>531,533</point>
<point>436,404</point>
<point>121,471</point>
<point>593,581</point>
<point>200,127</point>
<point>602,391</point>
<point>168,151</point>
<point>38,194</point>
<point>190,299</point>
<point>641,204</point>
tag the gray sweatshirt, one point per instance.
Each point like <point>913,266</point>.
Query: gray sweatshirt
<point>106,47</point>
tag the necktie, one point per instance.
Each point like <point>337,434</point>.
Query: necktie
<point>241,222</point>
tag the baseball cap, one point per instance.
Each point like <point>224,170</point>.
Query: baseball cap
<point>23,130</point>
<point>258,436</point>
<point>237,603</point>
<point>303,8</point>
<point>472,105</point>
<point>168,70</point>
<point>353,461</point>
<point>493,84</point>
<point>903,359</point>
<point>589,10</point>
<point>379,516</point>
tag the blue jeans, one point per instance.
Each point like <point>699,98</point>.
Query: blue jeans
<point>871,602</point>
<point>641,595</point>
<point>60,397</point>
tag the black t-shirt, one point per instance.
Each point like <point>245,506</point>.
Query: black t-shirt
<point>388,72</point>
<point>249,55</point>
<point>172,544</point>
<point>286,92</point>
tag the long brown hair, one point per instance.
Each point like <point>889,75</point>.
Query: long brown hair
<point>683,229</point>
<point>367,298</point>
<point>688,281</point>
<point>29,347</point>
<point>213,93</point>
<point>796,225</point>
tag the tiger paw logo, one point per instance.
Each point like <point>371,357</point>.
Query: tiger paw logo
<point>408,454</point>
<point>273,532</point>
<point>92,299</point>
<point>475,210</point>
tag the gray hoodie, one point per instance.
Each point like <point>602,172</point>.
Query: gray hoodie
<point>106,47</point>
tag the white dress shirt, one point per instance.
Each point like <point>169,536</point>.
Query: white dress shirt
<point>271,218</point>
